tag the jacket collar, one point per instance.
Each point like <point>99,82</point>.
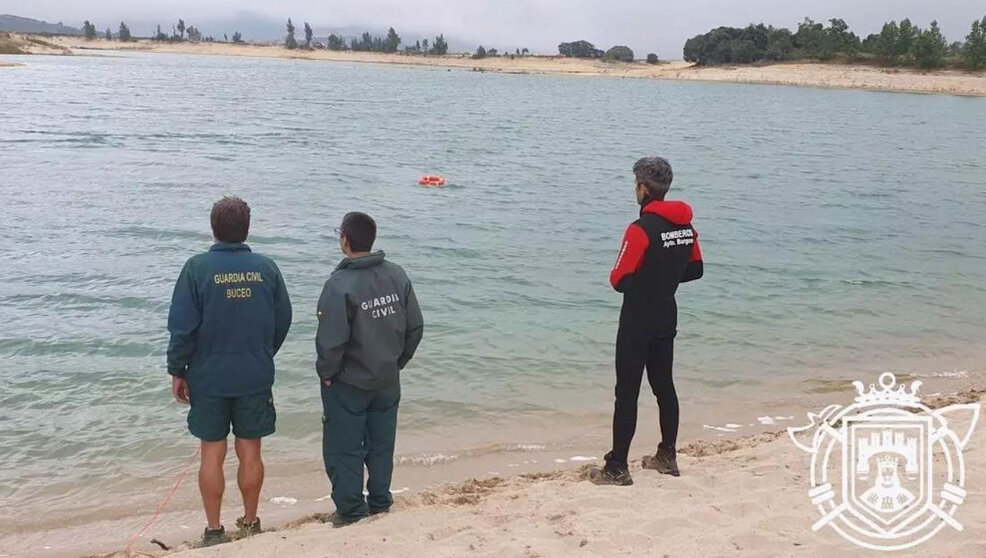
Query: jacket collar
<point>229,247</point>
<point>677,212</point>
<point>362,262</point>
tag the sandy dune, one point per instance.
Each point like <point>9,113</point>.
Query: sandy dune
<point>809,75</point>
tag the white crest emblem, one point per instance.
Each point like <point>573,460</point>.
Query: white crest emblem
<point>887,472</point>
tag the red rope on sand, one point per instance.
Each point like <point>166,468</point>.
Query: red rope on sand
<point>160,508</point>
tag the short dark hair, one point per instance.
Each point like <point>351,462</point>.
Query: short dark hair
<point>360,230</point>
<point>230,220</point>
<point>655,174</point>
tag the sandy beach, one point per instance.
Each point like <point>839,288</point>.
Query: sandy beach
<point>797,74</point>
<point>745,497</point>
<point>489,461</point>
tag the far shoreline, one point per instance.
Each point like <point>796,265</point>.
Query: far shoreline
<point>801,74</point>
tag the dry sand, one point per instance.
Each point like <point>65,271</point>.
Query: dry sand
<point>11,43</point>
<point>745,497</point>
<point>809,75</point>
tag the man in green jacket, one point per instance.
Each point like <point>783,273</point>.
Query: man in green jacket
<point>369,325</point>
<point>230,313</point>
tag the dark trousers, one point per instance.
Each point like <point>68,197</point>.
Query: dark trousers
<point>633,354</point>
<point>359,428</point>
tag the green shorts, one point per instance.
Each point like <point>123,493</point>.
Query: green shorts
<point>251,416</point>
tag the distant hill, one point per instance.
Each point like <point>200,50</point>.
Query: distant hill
<point>15,24</point>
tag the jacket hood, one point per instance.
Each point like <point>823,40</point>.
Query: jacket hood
<point>677,212</point>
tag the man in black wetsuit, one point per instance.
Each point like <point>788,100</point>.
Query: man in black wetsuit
<point>660,251</point>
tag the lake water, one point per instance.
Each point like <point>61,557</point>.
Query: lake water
<point>842,231</point>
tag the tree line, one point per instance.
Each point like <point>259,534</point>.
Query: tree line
<point>367,42</point>
<point>179,33</point>
<point>483,52</point>
<point>897,44</point>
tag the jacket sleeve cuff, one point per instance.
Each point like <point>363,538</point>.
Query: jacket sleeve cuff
<point>177,373</point>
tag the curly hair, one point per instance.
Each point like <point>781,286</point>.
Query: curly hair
<point>655,174</point>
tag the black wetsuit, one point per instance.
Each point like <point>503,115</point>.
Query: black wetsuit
<point>660,251</point>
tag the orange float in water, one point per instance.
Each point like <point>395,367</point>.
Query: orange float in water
<point>431,181</point>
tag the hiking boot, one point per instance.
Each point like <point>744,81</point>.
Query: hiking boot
<point>341,521</point>
<point>379,512</point>
<point>212,537</point>
<point>664,461</point>
<point>611,474</point>
<point>248,529</point>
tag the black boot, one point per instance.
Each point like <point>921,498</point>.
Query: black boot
<point>665,461</point>
<point>613,473</point>
<point>212,537</point>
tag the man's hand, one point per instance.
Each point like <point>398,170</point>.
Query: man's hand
<point>179,388</point>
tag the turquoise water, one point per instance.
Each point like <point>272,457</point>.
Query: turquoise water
<point>843,231</point>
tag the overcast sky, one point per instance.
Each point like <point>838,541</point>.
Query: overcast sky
<point>645,25</point>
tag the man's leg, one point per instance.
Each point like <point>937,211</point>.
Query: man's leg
<point>381,434</point>
<point>659,365</point>
<point>630,358</point>
<point>208,420</point>
<point>212,483</point>
<point>250,476</point>
<point>343,436</point>
<point>254,417</point>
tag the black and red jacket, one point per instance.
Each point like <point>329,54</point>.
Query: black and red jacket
<point>660,251</point>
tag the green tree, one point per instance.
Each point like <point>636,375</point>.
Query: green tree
<point>424,46</point>
<point>237,37</point>
<point>652,58</point>
<point>309,35</point>
<point>194,34</point>
<point>974,51</point>
<point>89,30</point>
<point>812,40</point>
<point>181,29</point>
<point>730,45</point>
<point>480,53</point>
<point>124,34</point>
<point>885,44</point>
<point>525,51</point>
<point>290,42</point>
<point>579,49</point>
<point>907,35</point>
<point>930,47</point>
<point>335,42</point>
<point>393,41</point>
<point>839,39</point>
<point>619,53</point>
<point>439,47</point>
